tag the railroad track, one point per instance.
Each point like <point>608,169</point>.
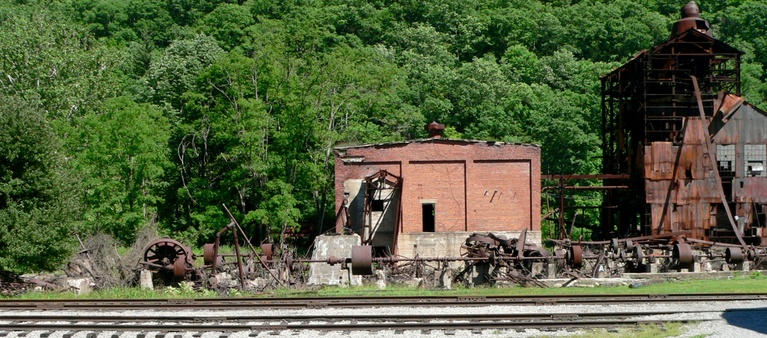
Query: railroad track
<point>169,324</point>
<point>264,316</point>
<point>362,302</point>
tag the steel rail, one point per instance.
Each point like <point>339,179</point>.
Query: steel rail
<point>324,317</point>
<point>342,326</point>
<point>361,302</point>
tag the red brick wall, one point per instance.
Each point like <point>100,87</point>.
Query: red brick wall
<point>500,195</point>
<point>438,182</point>
<point>476,186</point>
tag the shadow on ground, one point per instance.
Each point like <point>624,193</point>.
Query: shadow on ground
<point>751,319</point>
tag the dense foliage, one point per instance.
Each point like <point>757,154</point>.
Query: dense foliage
<point>119,113</point>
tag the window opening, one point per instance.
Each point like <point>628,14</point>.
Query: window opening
<point>755,155</point>
<point>377,205</point>
<point>725,158</point>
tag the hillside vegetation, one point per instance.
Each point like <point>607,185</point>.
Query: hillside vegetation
<point>115,114</point>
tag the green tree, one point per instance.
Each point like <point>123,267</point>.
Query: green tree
<point>54,64</point>
<point>123,159</point>
<point>176,72</point>
<point>227,24</point>
<point>38,204</point>
<point>222,148</point>
<point>610,31</point>
<point>279,210</point>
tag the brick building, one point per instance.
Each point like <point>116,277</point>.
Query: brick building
<point>425,196</point>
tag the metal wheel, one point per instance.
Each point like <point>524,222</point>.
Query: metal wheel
<point>165,251</point>
<point>362,260</point>
<point>682,253</point>
<point>575,256</point>
<point>207,253</point>
<point>614,245</point>
<point>733,255</point>
<point>638,254</point>
<point>267,250</point>
<point>179,267</point>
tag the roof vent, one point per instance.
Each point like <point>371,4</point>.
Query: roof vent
<point>691,19</point>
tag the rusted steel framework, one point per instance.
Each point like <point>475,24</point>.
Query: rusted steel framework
<point>667,118</point>
<point>565,183</point>
<point>382,191</point>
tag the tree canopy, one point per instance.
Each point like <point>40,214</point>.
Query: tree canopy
<point>120,113</point>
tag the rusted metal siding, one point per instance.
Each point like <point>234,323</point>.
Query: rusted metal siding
<point>750,190</point>
<point>687,166</point>
<point>695,218</point>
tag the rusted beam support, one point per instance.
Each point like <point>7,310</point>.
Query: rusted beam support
<point>258,257</point>
<point>562,232</point>
<point>714,165</point>
<point>587,187</point>
<point>586,177</point>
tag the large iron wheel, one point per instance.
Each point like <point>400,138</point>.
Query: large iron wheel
<point>165,251</point>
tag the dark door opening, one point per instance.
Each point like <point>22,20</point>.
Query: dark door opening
<point>428,217</point>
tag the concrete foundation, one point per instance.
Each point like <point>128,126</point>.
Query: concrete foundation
<point>447,244</point>
<point>339,246</point>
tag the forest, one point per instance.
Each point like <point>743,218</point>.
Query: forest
<point>120,114</point>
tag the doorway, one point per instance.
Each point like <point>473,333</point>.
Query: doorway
<point>428,216</point>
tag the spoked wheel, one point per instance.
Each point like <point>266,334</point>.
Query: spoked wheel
<point>165,251</point>
<point>169,258</point>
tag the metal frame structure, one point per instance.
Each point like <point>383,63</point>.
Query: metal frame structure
<point>375,185</point>
<point>650,100</point>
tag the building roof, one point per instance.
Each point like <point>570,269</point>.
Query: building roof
<point>691,37</point>
<point>438,141</point>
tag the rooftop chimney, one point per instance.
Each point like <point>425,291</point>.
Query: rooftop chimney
<point>435,129</point>
<point>691,19</point>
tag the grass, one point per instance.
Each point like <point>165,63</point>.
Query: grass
<point>752,283</point>
<point>643,331</point>
<point>124,293</point>
<point>747,283</point>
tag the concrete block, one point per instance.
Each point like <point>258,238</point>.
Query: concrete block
<point>447,244</point>
<point>651,268</point>
<point>744,266</point>
<point>339,246</point>
<point>446,279</point>
<point>145,279</point>
<point>478,273</point>
<point>414,283</point>
<point>551,269</point>
<point>80,286</point>
<point>226,280</point>
<point>380,280</point>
